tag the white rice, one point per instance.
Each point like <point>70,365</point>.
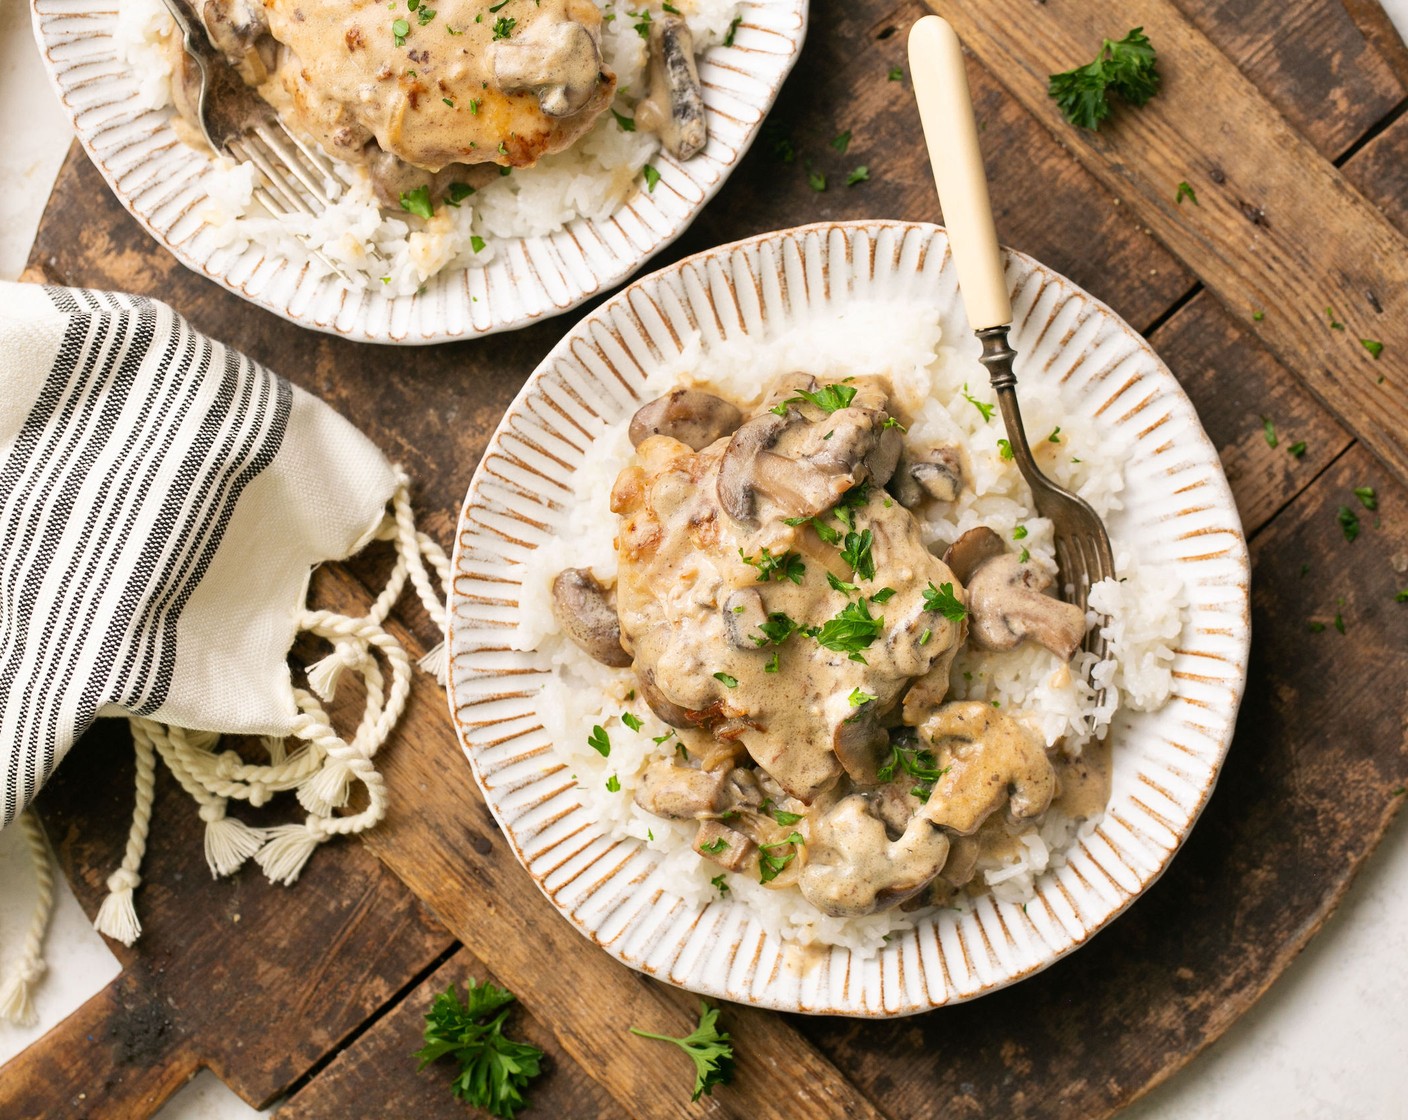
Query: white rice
<point>1146,605</point>
<point>589,180</point>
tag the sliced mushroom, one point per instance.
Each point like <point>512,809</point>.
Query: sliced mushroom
<point>971,551</point>
<point>581,607</point>
<point>664,708</point>
<point>854,868</point>
<point>723,845</point>
<point>1006,605</point>
<point>682,792</point>
<point>558,61</point>
<point>674,107</point>
<point>691,416</point>
<point>936,473</point>
<point>743,614</point>
<point>738,483</point>
<point>234,26</point>
<point>986,758</point>
<point>858,742</point>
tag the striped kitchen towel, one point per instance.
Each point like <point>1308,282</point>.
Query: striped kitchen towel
<point>163,501</point>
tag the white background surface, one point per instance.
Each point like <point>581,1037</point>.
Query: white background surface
<point>1328,1040</point>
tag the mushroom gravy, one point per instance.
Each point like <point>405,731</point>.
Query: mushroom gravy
<point>782,613</point>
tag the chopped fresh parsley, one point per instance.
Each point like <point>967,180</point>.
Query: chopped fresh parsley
<point>829,398</point>
<point>452,31</point>
<point>1335,324</point>
<point>1055,436</point>
<point>715,846</point>
<point>1316,627</point>
<point>816,179</point>
<point>494,1069</point>
<point>1004,449</point>
<point>417,202</point>
<point>642,26</point>
<point>1024,556</point>
<point>1297,449</point>
<point>613,784</point>
<point>924,637</point>
<point>771,866</point>
<point>838,584</point>
<point>726,680</point>
<point>1127,67</point>
<point>781,816</point>
<point>399,30</point>
<point>626,123</point>
<point>777,629</point>
<point>709,1048</point>
<point>720,885</point>
<point>732,30</point>
<point>457,193</point>
<point>599,741</point>
<point>631,720</point>
<point>841,141</point>
<point>787,566</point>
<point>1019,533</point>
<point>652,177</point>
<point>1402,596</point>
<point>1185,191</point>
<point>1258,316</point>
<point>918,763</point>
<point>1339,622</point>
<point>476,242</point>
<point>859,697</point>
<point>425,15</point>
<point>857,553</point>
<point>448,102</point>
<point>1349,523</point>
<point>860,174</point>
<point>774,663</point>
<point>1367,498</point>
<point>896,74</point>
<point>1374,347</point>
<point>852,630</point>
<point>662,738</point>
<point>945,602</point>
<point>503,27</point>
<point>1268,429</point>
<point>474,106</point>
<point>884,595</point>
<point>985,409</point>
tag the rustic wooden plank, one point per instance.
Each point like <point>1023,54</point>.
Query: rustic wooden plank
<point>1278,230</point>
<point>1305,794</point>
<point>1380,170</point>
<point>375,1078</point>
<point>253,980</point>
<point>441,839</point>
<point>1374,22</point>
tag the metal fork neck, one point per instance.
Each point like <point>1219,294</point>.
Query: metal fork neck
<point>998,356</point>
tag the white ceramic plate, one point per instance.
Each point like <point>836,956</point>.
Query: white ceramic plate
<point>163,183</point>
<point>1179,511</point>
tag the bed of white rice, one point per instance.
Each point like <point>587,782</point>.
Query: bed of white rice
<point>590,179</point>
<point>1146,605</point>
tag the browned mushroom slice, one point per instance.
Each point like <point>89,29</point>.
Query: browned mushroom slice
<point>682,792</point>
<point>971,551</point>
<point>987,759</point>
<point>723,845</point>
<point>674,107</point>
<point>664,708</point>
<point>580,605</point>
<point>743,615</point>
<point>691,416</point>
<point>558,61</point>
<point>858,742</point>
<point>854,868</point>
<point>934,474</point>
<point>1007,604</point>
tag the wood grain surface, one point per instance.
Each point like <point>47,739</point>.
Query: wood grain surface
<point>1299,806</point>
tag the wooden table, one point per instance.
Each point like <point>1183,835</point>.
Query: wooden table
<point>1286,117</point>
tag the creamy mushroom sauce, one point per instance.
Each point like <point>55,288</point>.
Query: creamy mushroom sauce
<point>445,92</point>
<point>822,757</point>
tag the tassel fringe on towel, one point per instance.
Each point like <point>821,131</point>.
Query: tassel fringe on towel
<point>322,769</point>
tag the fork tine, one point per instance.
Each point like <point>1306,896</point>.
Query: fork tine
<point>281,143</point>
<point>244,149</point>
<point>317,158</point>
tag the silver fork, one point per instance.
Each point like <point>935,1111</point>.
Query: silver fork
<point>297,178</point>
<point>1083,553</point>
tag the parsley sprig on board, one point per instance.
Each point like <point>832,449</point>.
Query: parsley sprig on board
<point>710,1049</point>
<point>494,1069</point>
<point>1128,67</point>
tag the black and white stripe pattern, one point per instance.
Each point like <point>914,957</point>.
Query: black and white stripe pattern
<point>114,498</point>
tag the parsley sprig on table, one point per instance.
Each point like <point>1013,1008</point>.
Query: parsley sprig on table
<point>1127,67</point>
<point>494,1069</point>
<point>710,1049</point>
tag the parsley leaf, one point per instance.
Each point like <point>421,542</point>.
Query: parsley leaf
<point>720,884</point>
<point>945,602</point>
<point>781,816</point>
<point>1367,498</point>
<point>726,680</point>
<point>651,177</point>
<point>1128,67</point>
<point>503,27</point>
<point>1349,523</point>
<point>627,124</point>
<point>599,741</point>
<point>399,30</point>
<point>1297,449</point>
<point>456,193</point>
<point>774,663</point>
<point>841,141</point>
<point>1185,191</point>
<point>631,720</point>
<point>860,175</point>
<point>1004,449</point>
<point>918,764</point>
<point>829,398</point>
<point>787,566</point>
<point>1335,324</point>
<point>985,409</point>
<point>1374,347</point>
<point>417,202</point>
<point>884,595</point>
<point>852,630</point>
<point>1019,533</point>
<point>857,554</point>
<point>896,74</point>
<point>840,585</point>
<point>859,697</point>
<point>1268,428</point>
<point>732,30</point>
<point>709,1048</point>
<point>816,179</point>
<point>476,242</point>
<point>494,1070</point>
<point>777,629</point>
<point>613,784</point>
<point>771,866</point>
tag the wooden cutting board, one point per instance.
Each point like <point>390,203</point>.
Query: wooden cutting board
<point>1306,793</point>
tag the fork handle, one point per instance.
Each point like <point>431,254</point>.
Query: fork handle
<point>946,112</point>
